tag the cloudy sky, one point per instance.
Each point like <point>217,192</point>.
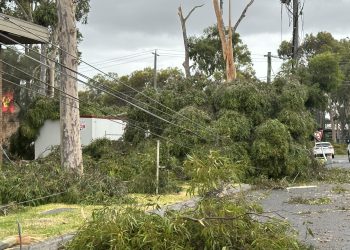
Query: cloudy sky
<point>121,34</point>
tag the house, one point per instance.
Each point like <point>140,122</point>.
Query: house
<point>91,128</point>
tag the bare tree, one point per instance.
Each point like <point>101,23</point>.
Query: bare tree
<point>183,20</point>
<point>71,153</point>
<point>226,40</point>
<point>243,14</point>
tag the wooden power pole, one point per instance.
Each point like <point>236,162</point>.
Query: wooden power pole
<point>269,67</point>
<point>295,45</point>
<point>155,69</point>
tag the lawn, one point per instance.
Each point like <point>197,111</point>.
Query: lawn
<point>43,222</point>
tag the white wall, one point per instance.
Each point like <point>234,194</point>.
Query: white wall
<point>49,136</point>
<point>105,128</point>
<point>90,129</point>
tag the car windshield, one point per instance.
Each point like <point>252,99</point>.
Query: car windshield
<point>323,144</point>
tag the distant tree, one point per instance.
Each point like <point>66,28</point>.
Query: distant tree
<point>206,53</point>
<point>183,21</point>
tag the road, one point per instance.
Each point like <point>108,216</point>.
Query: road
<point>339,161</point>
<point>329,222</point>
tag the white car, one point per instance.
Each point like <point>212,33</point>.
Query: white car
<point>324,149</point>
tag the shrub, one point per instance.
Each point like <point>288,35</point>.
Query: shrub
<point>270,148</point>
<point>233,125</point>
<point>246,97</point>
<point>300,124</point>
<point>215,224</point>
<point>45,177</point>
<point>209,173</point>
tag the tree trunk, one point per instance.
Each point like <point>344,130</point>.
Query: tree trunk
<point>43,68</point>
<point>71,153</point>
<point>52,64</point>
<point>183,20</point>
<point>226,43</point>
<point>333,123</point>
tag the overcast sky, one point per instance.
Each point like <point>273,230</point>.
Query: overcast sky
<point>125,31</point>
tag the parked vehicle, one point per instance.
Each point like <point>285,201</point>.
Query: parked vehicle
<point>324,149</point>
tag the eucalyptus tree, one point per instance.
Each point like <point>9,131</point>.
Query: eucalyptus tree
<point>325,68</point>
<point>206,53</point>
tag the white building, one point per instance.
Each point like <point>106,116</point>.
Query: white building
<point>91,128</point>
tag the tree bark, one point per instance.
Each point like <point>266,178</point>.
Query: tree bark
<point>43,68</point>
<point>226,43</point>
<point>71,153</point>
<point>52,64</point>
<point>186,63</point>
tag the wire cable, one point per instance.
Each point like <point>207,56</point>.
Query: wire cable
<point>64,93</point>
<point>104,90</point>
<point>79,60</point>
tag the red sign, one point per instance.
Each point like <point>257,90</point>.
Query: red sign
<point>318,135</point>
<point>8,103</point>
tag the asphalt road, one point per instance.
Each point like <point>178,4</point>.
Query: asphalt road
<point>329,222</point>
<point>339,161</point>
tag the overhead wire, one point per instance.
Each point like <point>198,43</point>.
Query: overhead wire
<point>122,58</point>
<point>80,60</point>
<point>108,91</point>
<point>58,89</point>
<point>76,107</point>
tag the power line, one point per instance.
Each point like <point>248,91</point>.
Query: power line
<point>122,58</point>
<point>74,56</point>
<point>108,91</point>
<point>66,94</point>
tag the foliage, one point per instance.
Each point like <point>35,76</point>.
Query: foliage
<point>39,111</point>
<point>310,201</point>
<point>246,97</point>
<point>46,14</point>
<point>270,148</point>
<point>233,125</point>
<point>300,124</point>
<point>27,182</point>
<point>134,165</point>
<point>206,52</point>
<point>182,136</point>
<point>324,70</point>
<point>215,224</point>
<point>210,173</point>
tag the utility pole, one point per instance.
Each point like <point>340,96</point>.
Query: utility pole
<point>155,68</point>
<point>157,173</point>
<point>295,33</point>
<point>269,67</point>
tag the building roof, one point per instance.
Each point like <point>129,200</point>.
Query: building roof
<point>21,31</point>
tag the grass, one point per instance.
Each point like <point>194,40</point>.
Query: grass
<point>310,201</point>
<point>339,190</point>
<point>41,226</point>
<point>340,149</point>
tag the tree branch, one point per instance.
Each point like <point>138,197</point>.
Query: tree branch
<point>242,15</point>
<point>204,219</point>
<point>193,9</point>
<point>23,10</point>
